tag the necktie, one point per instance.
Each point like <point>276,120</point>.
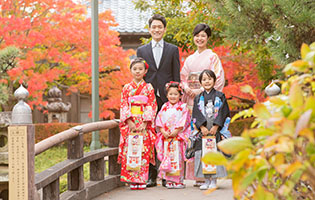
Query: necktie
<point>157,54</point>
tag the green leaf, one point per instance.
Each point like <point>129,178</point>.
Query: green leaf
<point>286,110</point>
<point>234,145</point>
<point>296,96</point>
<point>304,50</point>
<point>247,180</point>
<point>214,158</point>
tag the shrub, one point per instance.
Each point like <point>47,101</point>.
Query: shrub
<point>276,158</point>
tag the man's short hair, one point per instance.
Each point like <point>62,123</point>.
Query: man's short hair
<point>157,17</point>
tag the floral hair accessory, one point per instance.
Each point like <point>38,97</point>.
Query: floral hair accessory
<point>174,84</point>
<point>146,64</point>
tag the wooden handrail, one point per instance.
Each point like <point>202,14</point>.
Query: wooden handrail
<point>72,133</point>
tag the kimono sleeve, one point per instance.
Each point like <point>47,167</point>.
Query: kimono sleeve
<point>158,120</point>
<point>151,107</point>
<point>198,118</point>
<point>184,75</point>
<point>219,72</point>
<point>125,112</point>
<point>223,112</point>
<point>185,119</point>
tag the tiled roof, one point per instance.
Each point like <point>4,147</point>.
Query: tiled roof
<point>129,19</point>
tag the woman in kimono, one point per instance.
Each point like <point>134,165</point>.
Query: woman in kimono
<point>203,58</point>
<point>210,112</point>
<point>137,114</point>
<point>173,125</point>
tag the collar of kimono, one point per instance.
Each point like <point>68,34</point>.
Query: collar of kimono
<point>139,86</point>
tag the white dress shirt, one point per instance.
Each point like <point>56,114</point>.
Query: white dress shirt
<point>157,49</point>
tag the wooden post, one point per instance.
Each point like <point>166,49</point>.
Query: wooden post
<point>75,151</point>
<point>113,140</point>
<point>21,143</point>
<point>51,191</point>
<point>97,170</point>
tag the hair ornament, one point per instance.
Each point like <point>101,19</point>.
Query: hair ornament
<point>146,64</point>
<point>174,84</point>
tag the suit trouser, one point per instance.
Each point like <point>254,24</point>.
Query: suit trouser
<point>153,170</point>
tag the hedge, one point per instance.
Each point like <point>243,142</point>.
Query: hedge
<point>45,130</point>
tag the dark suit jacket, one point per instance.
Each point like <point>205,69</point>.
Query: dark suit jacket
<point>168,70</point>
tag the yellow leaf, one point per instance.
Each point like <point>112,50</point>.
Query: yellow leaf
<point>310,104</point>
<point>284,145</point>
<point>288,127</point>
<point>303,121</point>
<point>306,132</point>
<point>258,132</point>
<point>234,145</point>
<point>262,194</point>
<point>247,89</point>
<point>214,158</point>
<point>209,191</point>
<point>300,65</point>
<point>261,111</point>
<point>296,96</point>
<point>239,160</point>
<point>277,101</point>
<point>292,168</point>
<point>295,114</point>
<point>304,50</point>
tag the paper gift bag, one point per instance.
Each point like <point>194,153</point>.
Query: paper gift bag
<point>134,152</point>
<point>171,150</point>
<point>208,145</point>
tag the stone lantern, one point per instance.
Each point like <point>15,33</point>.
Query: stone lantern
<point>57,110</point>
<point>272,89</point>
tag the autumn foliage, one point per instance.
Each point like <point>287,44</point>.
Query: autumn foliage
<point>54,37</point>
<point>239,71</point>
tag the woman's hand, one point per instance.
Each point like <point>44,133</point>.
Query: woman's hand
<point>190,92</point>
<point>204,131</point>
<point>131,125</point>
<point>214,129</point>
<point>196,91</point>
<point>142,127</point>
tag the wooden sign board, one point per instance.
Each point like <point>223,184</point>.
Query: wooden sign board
<point>18,166</point>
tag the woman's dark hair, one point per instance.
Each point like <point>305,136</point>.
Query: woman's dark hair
<point>202,27</point>
<point>209,73</point>
<point>138,60</point>
<point>174,85</point>
<point>157,17</point>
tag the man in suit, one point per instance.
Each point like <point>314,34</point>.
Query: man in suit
<point>164,66</point>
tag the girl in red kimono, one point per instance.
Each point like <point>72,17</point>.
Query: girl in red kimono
<point>137,114</point>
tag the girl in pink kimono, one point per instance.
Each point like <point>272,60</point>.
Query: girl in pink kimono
<point>173,129</point>
<point>202,59</point>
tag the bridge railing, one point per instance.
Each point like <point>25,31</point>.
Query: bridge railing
<point>48,180</point>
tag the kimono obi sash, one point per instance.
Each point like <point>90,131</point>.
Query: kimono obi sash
<point>193,80</point>
<point>137,103</point>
